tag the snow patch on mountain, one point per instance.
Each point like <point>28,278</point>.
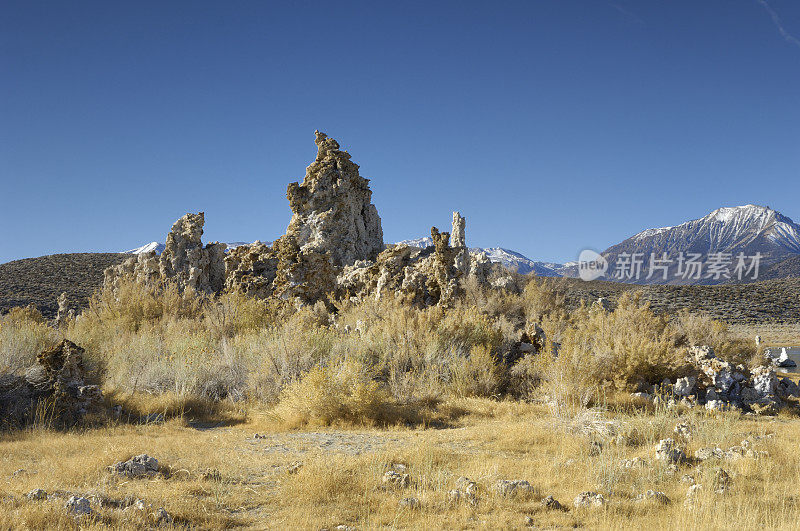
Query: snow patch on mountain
<point>510,259</point>
<point>159,247</point>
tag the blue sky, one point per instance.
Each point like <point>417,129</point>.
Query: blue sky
<point>552,125</point>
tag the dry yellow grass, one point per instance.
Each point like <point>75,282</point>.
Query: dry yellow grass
<point>350,393</point>
<point>340,478</point>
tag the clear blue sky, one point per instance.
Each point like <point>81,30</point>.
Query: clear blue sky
<point>553,125</point>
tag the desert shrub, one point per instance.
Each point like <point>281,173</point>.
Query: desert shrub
<point>133,304</point>
<point>492,302</point>
<point>626,347</point>
<point>543,298</point>
<point>344,391</point>
<point>463,328</point>
<point>280,355</point>
<point>477,374</point>
<point>235,313</point>
<point>23,335</point>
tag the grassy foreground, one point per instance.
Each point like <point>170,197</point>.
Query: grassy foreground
<point>343,392</point>
<point>223,477</point>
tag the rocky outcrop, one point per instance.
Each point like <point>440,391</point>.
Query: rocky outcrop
<point>184,261</point>
<point>333,247</point>
<point>422,276</point>
<point>65,313</point>
<point>59,378</point>
<point>721,386</point>
<point>251,269</point>
<point>332,208</point>
<point>140,466</point>
<point>303,274</point>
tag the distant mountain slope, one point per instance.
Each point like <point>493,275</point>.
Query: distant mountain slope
<point>40,281</point>
<point>510,259</point>
<point>788,268</point>
<point>747,230</point>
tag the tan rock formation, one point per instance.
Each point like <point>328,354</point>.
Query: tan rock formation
<point>184,261</point>
<point>251,269</point>
<point>59,378</point>
<point>187,261</point>
<point>458,238</point>
<point>332,208</point>
<point>303,274</point>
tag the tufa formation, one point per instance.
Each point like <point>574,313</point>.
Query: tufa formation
<point>333,248</point>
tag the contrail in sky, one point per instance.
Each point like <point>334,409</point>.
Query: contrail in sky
<point>778,24</point>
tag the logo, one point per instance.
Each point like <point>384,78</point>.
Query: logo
<point>591,265</point>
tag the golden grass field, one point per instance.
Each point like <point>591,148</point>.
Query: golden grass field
<point>338,396</point>
<point>339,482</point>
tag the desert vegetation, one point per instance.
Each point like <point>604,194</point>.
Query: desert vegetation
<point>346,397</point>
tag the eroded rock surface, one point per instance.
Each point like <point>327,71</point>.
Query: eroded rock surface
<point>333,247</point>
<point>59,377</point>
<point>332,208</point>
<point>184,261</point>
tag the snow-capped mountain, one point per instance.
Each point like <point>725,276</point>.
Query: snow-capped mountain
<point>748,229</point>
<point>159,247</point>
<point>724,234</point>
<point>146,248</point>
<point>510,259</point>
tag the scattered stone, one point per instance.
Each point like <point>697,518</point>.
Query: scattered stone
<point>692,493</point>
<point>161,517</point>
<point>513,487</point>
<point>410,503</point>
<point>683,430</point>
<point>37,495</point>
<point>396,479</point>
<point>552,504</point>
<point>595,448</point>
<point>685,387</point>
<point>589,499</point>
<point>212,474</point>
<point>652,496</point>
<point>399,467</point>
<point>711,452</point>
<point>717,405</point>
<point>78,505</point>
<point>722,481</point>
<point>642,396</point>
<point>466,490</point>
<point>667,450</point>
<point>636,462</point>
<point>137,467</point>
<point>602,303</point>
<point>688,478</point>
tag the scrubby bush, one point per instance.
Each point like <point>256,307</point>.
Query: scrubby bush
<point>23,334</point>
<point>345,391</point>
<point>370,361</point>
<point>627,347</point>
